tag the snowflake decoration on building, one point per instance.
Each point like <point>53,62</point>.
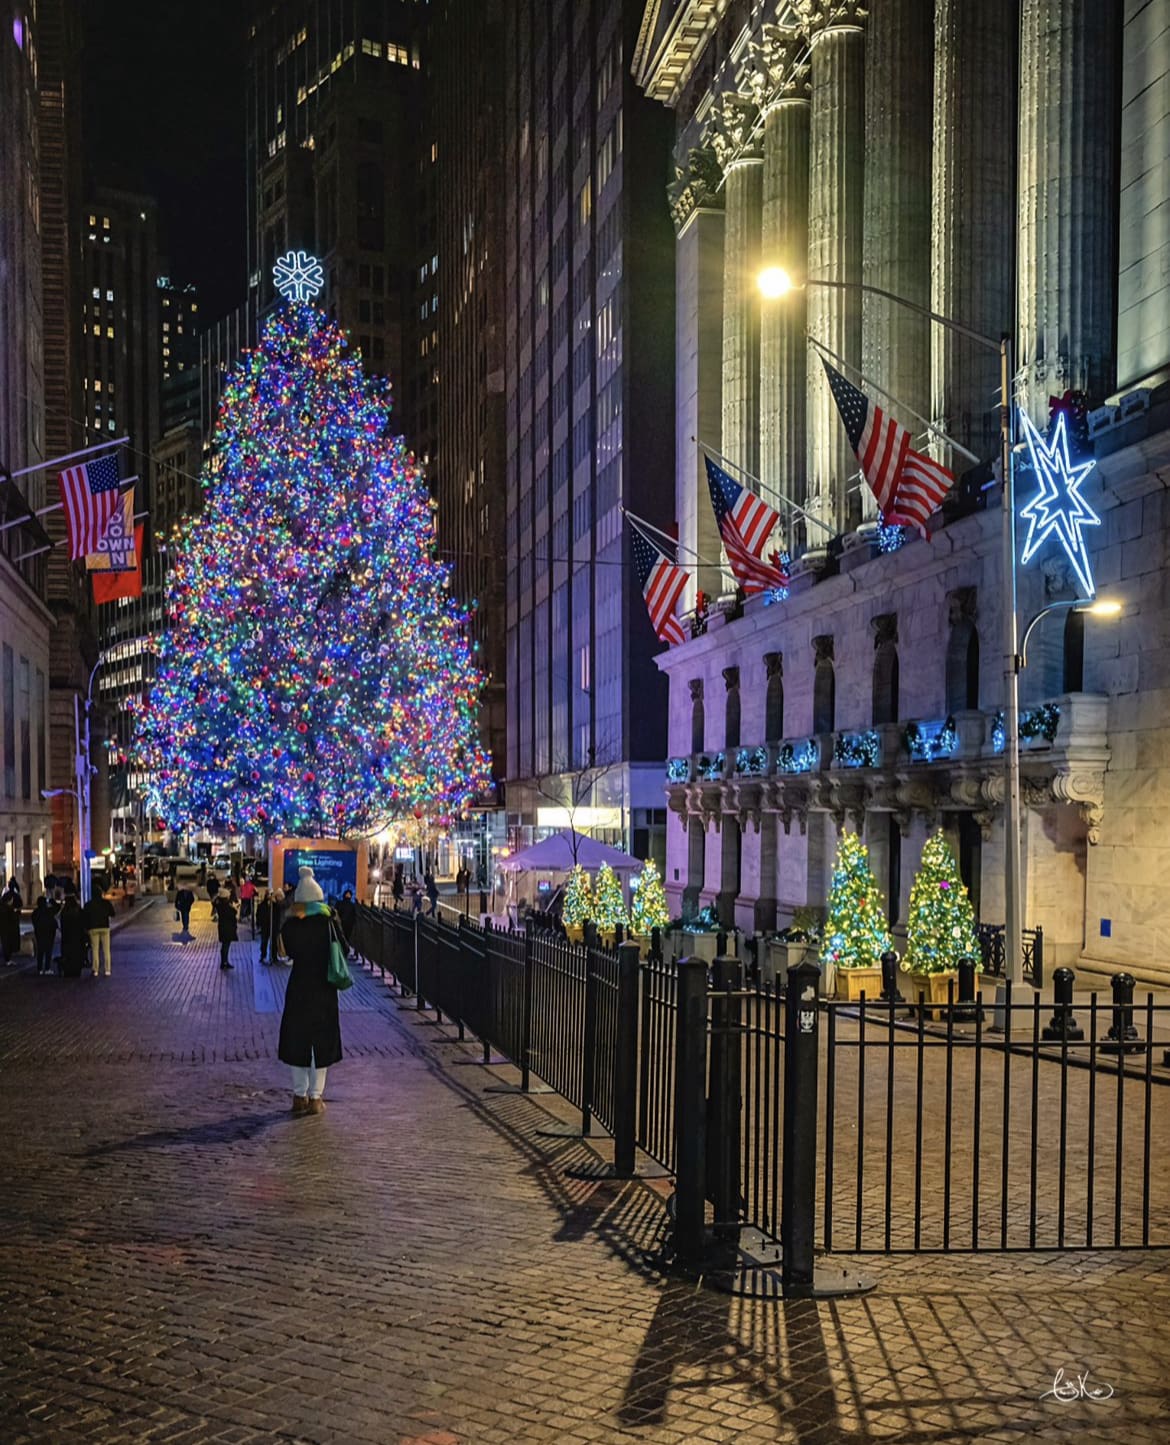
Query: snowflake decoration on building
<point>298,276</point>
<point>1058,506</point>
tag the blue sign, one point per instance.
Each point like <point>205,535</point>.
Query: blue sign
<point>335,869</point>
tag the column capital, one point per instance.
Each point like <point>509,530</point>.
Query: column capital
<point>778,68</point>
<point>696,186</point>
<point>819,16</point>
<point>735,121</point>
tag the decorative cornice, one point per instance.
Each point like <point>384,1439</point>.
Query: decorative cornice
<point>668,49</point>
<point>817,16</point>
<point>695,188</point>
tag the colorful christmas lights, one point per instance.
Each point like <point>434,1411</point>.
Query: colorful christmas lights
<point>856,934</point>
<point>315,677</point>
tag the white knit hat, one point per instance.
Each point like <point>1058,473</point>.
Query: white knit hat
<point>308,889</point>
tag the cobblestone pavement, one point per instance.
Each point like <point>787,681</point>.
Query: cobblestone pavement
<point>184,1260</point>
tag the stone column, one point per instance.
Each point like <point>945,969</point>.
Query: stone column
<point>973,209</point>
<point>1067,195</point>
<point>895,341</point>
<point>783,72</point>
<point>743,165</point>
<point>696,207</point>
<point>836,172</point>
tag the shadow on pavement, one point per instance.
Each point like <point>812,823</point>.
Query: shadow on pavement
<point>218,1131</point>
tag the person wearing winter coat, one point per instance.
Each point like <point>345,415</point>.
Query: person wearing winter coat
<point>9,928</point>
<point>347,918</point>
<point>264,922</point>
<point>184,902</point>
<point>97,914</point>
<point>225,917</point>
<point>279,904</point>
<point>310,1031</point>
<point>73,938</point>
<point>44,923</point>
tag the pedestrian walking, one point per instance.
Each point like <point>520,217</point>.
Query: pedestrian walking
<point>97,914</point>
<point>225,917</point>
<point>398,889</point>
<point>310,1031</point>
<point>347,919</point>
<point>9,928</point>
<point>44,924</point>
<point>184,902</point>
<point>264,922</point>
<point>278,914</point>
<point>432,893</point>
<point>213,892</point>
<point>247,894</point>
<point>72,925</point>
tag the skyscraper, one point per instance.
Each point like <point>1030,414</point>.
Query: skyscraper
<point>589,386</point>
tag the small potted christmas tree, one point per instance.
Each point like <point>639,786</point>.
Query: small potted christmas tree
<point>609,908</point>
<point>941,926</point>
<point>648,909</point>
<point>578,905</point>
<point>855,934</point>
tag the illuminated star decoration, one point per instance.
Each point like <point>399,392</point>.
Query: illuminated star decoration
<point>298,276</point>
<point>1058,506</point>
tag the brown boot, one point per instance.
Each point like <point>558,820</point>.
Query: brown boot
<point>300,1104</point>
<point>316,1106</point>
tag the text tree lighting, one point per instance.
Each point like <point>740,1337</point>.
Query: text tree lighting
<point>315,677</point>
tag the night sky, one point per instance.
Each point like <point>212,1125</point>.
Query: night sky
<point>164,113</point>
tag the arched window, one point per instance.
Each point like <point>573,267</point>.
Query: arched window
<point>824,696</point>
<point>1074,653</point>
<point>774,699</point>
<point>885,683</point>
<point>963,667</point>
<point>731,712</point>
<point>698,742</point>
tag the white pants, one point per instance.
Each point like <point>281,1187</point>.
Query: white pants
<point>310,1081</point>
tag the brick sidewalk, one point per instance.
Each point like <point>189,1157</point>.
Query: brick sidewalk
<point>186,1261</point>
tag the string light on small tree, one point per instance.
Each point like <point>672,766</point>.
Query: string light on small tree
<point>941,927</point>
<point>856,934</point>
<point>609,908</point>
<point>578,904</point>
<point>648,909</point>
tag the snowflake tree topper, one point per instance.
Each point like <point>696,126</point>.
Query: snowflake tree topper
<point>298,276</point>
<point>1058,506</point>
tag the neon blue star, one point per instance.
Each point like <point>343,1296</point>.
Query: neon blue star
<point>1058,506</point>
<point>298,276</point>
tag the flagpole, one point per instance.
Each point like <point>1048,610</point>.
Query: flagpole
<point>872,385</point>
<point>38,551</point>
<point>760,486</point>
<point>644,526</point>
<point>69,457</point>
<point>57,507</point>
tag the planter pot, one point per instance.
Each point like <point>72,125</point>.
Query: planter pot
<point>607,937</point>
<point>643,941</point>
<point>853,982</point>
<point>933,988</point>
<point>575,932</point>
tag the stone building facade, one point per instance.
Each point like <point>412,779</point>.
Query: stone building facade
<point>1003,165</point>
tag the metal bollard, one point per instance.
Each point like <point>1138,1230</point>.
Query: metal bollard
<point>1062,1025</point>
<point>725,1102</point>
<point>1123,1035</point>
<point>625,1063</point>
<point>720,943</point>
<point>890,991</point>
<point>656,943</point>
<point>690,1109</point>
<point>799,1187</point>
<point>966,1008</point>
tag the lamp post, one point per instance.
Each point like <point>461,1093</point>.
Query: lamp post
<point>775,282</point>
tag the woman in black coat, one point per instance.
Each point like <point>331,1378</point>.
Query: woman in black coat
<point>44,922</point>
<point>73,937</point>
<point>310,1032</point>
<point>225,917</point>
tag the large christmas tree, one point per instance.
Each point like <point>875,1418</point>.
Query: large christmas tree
<point>856,934</point>
<point>315,676</point>
<point>941,927</point>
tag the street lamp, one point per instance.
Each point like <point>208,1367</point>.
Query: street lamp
<point>775,282</point>
<point>1101,607</point>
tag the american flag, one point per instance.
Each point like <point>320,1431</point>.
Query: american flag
<point>908,485</point>
<point>662,586</point>
<point>745,524</point>
<point>90,496</point>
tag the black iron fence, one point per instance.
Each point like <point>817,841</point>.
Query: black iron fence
<point>872,1127</point>
<point>993,951</point>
